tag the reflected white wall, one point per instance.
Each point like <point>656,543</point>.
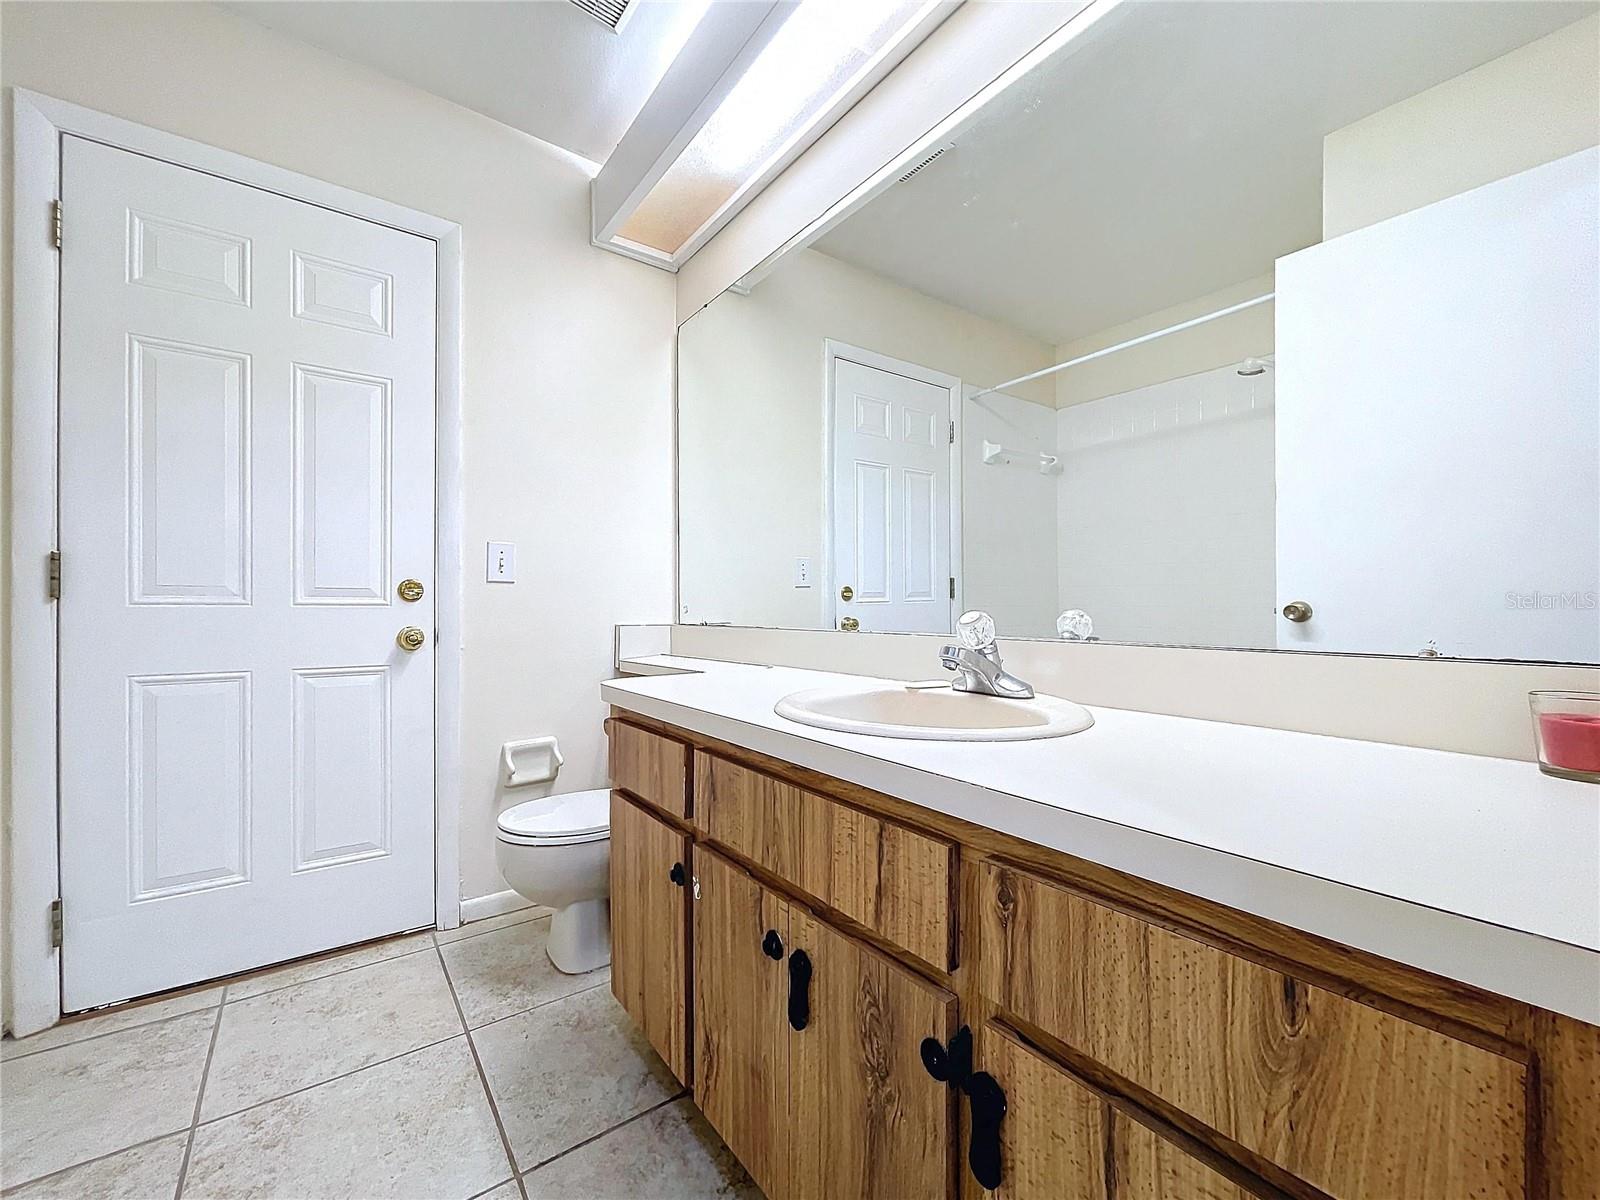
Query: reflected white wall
<point>1165,511</point>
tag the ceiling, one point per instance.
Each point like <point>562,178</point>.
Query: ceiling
<point>1177,152</point>
<point>540,66</point>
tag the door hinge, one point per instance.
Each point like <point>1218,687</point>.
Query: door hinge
<point>952,423</point>
<point>55,223</point>
<point>55,923</point>
<point>952,587</point>
<point>53,575</point>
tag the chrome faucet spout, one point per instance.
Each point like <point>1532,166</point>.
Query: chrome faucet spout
<point>980,673</point>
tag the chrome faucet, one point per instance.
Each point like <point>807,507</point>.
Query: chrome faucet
<point>976,661</point>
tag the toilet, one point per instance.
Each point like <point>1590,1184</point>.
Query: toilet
<point>556,851</point>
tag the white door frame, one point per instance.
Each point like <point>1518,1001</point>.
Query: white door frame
<point>833,350</point>
<point>32,866</point>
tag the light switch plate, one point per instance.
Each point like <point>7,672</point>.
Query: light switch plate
<point>802,572</point>
<point>501,565</point>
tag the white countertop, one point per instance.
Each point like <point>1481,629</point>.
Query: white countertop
<point>1479,869</point>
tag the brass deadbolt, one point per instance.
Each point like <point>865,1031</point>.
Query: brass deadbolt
<point>410,590</point>
<point>410,638</point>
<point>847,592</point>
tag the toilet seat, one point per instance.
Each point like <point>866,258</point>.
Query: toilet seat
<point>563,820</point>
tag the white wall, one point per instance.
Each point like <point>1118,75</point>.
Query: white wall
<point>1538,103</point>
<point>1166,511</point>
<point>751,387</point>
<point>1009,512</point>
<point>567,349</point>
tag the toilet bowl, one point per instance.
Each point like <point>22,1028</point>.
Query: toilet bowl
<point>556,851</point>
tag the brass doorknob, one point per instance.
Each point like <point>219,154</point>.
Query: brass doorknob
<point>410,590</point>
<point>849,624</point>
<point>410,638</point>
<point>1297,611</point>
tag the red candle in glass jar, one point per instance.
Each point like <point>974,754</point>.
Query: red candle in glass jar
<point>1571,740</point>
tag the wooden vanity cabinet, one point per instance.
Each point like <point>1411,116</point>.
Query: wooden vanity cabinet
<point>807,1060</point>
<point>1143,1044</point>
<point>650,967</point>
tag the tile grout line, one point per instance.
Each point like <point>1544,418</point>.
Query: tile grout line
<point>205,1073</point>
<point>483,1078</point>
<point>522,1012</point>
<point>232,981</point>
<point>660,1104</point>
<point>95,1037</point>
<point>310,1087</point>
<point>70,1167</point>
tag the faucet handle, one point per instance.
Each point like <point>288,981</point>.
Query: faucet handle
<point>975,630</point>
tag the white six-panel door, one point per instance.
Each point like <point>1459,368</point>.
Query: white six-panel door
<point>247,473</point>
<point>891,500</point>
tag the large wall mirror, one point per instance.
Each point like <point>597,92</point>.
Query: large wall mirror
<point>1268,325</point>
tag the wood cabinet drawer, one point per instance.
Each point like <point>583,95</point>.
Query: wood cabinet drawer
<point>888,878</point>
<point>1061,1137</point>
<point>650,928</point>
<point>651,767</point>
<point>1355,1101</point>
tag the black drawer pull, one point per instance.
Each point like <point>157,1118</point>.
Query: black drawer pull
<point>953,1065</point>
<point>676,874</point>
<point>988,1102</point>
<point>799,990</point>
<point>772,946</point>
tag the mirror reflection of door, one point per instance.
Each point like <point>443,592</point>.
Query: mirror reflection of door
<point>890,496</point>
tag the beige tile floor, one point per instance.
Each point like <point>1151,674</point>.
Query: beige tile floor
<point>440,1066</point>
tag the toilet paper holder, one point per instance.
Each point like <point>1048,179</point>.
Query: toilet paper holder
<point>533,760</point>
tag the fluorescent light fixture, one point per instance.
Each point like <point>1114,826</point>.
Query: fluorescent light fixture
<point>816,64</point>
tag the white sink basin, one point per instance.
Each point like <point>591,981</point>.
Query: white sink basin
<point>934,714</point>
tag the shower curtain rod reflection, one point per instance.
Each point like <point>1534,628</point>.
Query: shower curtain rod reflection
<point>1138,341</point>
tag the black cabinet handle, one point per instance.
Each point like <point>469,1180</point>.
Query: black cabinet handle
<point>772,946</point>
<point>676,874</point>
<point>988,1102</point>
<point>799,990</point>
<point>952,1065</point>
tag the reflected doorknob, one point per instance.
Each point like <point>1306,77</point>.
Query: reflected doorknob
<point>1297,611</point>
<point>410,638</point>
<point>849,624</point>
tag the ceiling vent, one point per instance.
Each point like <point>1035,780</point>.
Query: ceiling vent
<point>926,161</point>
<point>610,13</point>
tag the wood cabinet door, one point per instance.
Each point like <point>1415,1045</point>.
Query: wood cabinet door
<point>1061,1138</point>
<point>869,1120</point>
<point>650,928</point>
<point>741,1051</point>
<point>1355,1101</point>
